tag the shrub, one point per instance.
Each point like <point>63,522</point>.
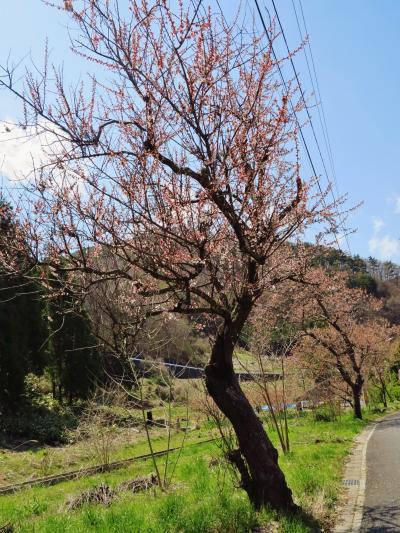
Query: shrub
<point>39,423</point>
<point>326,413</point>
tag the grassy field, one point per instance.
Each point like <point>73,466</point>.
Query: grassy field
<point>20,466</point>
<point>202,497</point>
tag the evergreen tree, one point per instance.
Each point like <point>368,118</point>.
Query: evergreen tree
<point>75,360</point>
<point>22,328</point>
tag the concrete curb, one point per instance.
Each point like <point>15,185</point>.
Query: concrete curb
<point>350,510</point>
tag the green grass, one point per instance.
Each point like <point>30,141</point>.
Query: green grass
<point>18,466</point>
<point>314,466</point>
<point>245,361</point>
<point>201,499</point>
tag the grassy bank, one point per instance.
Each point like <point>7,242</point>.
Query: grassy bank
<point>202,497</point>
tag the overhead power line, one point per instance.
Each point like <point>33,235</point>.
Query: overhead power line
<point>317,91</point>
<point>284,83</point>
<point>300,87</point>
<point>310,117</point>
<point>319,103</point>
<point>324,128</point>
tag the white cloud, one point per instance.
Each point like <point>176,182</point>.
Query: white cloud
<point>385,247</point>
<point>378,224</point>
<point>23,149</point>
<point>397,205</point>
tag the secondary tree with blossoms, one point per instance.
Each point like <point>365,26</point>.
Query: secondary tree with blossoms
<point>175,170</point>
<point>341,336</point>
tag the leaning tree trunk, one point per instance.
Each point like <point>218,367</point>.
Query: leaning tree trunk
<point>256,458</point>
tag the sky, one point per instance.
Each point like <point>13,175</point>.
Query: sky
<point>356,50</point>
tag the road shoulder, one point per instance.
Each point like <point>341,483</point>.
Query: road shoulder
<point>350,508</point>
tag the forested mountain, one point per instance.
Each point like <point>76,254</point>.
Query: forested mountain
<point>380,278</point>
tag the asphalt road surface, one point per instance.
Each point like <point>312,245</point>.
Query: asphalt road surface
<point>382,496</point>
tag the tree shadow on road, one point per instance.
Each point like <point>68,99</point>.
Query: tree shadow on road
<point>381,519</point>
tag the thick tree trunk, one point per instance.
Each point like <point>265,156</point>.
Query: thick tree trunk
<point>357,401</point>
<point>256,458</point>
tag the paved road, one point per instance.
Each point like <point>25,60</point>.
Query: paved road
<point>381,511</point>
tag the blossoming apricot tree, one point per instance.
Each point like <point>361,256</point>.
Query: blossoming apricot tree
<point>176,170</point>
<point>341,335</point>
